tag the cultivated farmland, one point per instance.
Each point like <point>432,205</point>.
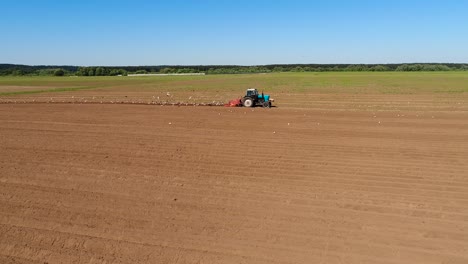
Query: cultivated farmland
<point>348,168</point>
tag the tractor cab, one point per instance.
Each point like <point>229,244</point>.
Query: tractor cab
<point>252,92</point>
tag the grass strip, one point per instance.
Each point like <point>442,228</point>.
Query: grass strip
<point>52,90</point>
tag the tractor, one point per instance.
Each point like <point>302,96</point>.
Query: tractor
<point>253,98</point>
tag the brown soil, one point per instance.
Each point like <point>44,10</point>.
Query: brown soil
<point>87,183</point>
<point>313,101</point>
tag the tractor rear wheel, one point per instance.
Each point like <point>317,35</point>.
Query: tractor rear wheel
<point>248,102</point>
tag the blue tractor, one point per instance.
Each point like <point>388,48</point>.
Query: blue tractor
<point>253,98</point>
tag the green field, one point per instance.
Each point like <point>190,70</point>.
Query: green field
<point>330,82</point>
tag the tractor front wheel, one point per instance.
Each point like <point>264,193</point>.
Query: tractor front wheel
<point>266,104</point>
<point>248,102</point>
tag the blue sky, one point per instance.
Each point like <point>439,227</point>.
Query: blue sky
<point>242,32</point>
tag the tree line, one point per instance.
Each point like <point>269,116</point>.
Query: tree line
<point>20,70</point>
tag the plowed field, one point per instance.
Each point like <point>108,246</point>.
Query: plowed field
<point>353,179</point>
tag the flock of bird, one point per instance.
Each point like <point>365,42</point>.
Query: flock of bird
<point>156,100</point>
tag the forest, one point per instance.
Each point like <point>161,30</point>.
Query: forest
<point>53,70</point>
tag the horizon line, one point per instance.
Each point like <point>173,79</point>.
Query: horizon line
<point>229,65</point>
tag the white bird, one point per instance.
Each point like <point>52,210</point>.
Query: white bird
<point>168,94</point>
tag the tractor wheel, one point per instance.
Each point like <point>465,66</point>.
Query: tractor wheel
<point>266,104</point>
<point>248,102</point>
